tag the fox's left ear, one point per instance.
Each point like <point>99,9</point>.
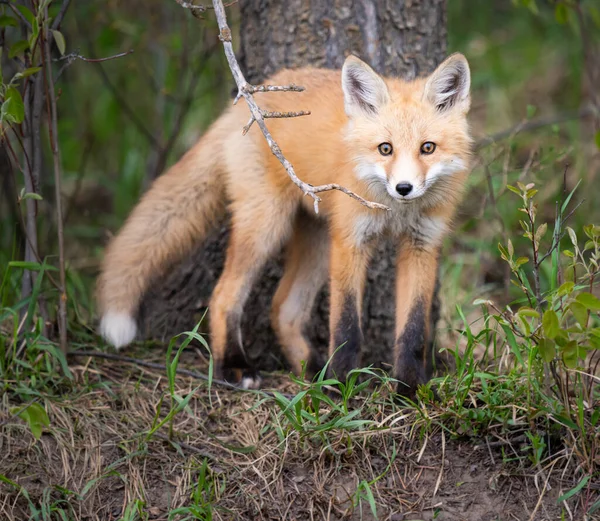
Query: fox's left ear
<point>448,86</point>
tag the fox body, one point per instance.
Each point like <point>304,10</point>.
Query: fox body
<point>403,144</point>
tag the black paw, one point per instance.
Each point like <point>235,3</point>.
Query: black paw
<point>410,377</point>
<point>315,364</point>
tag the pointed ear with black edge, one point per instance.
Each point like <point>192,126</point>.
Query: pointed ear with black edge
<point>365,92</point>
<point>448,87</point>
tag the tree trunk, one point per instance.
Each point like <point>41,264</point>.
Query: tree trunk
<point>404,38</point>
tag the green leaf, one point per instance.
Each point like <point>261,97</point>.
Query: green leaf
<point>550,324</point>
<point>32,195</point>
<point>597,139</point>
<point>574,490</point>
<point>512,342</point>
<point>520,261</point>
<point>28,265</point>
<point>561,339</point>
<point>561,13</point>
<point>29,16</point>
<point>60,41</point>
<point>571,354</point>
<point>570,359</point>
<point>568,199</point>
<point>540,232</point>
<point>18,48</point>
<point>27,72</point>
<point>35,31</point>
<point>57,354</point>
<point>589,301</point>
<point>565,289</point>
<point>35,416</point>
<point>8,21</point>
<point>531,111</point>
<point>547,349</point>
<point>595,417</point>
<point>566,421</point>
<point>579,312</point>
<point>13,109</point>
<point>528,312</point>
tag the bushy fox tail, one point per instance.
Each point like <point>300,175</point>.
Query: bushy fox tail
<point>174,215</point>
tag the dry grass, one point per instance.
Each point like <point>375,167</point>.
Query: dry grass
<point>96,460</point>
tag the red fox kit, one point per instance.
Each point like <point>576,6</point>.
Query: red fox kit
<point>403,144</point>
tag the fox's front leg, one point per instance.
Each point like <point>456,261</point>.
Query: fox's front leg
<point>415,287</point>
<point>348,266</point>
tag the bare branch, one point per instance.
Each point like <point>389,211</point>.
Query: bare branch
<point>196,10</point>
<point>33,98</point>
<point>274,88</point>
<point>71,57</point>
<point>61,14</point>
<point>246,90</point>
<point>268,88</point>
<point>534,124</point>
<point>53,131</point>
<point>76,56</point>
<point>267,114</point>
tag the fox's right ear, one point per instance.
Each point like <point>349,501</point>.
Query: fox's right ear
<point>449,85</point>
<point>365,92</point>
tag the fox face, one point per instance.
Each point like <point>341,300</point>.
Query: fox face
<point>409,141</point>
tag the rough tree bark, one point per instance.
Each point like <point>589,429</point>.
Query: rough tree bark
<point>403,38</point>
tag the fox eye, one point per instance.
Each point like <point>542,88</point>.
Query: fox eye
<point>428,148</point>
<point>385,149</point>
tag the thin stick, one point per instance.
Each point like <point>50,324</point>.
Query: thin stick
<point>61,14</point>
<point>76,56</point>
<point>534,124</point>
<point>53,130</point>
<point>257,115</point>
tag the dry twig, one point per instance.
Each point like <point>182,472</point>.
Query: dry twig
<point>76,56</point>
<point>534,124</point>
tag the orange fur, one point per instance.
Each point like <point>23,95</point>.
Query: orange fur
<point>337,143</point>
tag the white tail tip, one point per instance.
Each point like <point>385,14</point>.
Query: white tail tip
<point>118,328</point>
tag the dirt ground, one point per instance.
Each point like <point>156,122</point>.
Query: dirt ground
<point>96,459</point>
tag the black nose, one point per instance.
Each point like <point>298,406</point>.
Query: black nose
<point>404,188</point>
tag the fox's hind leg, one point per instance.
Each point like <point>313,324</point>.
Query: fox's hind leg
<point>257,231</point>
<point>305,273</point>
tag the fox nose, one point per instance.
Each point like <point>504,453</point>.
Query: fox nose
<point>404,188</point>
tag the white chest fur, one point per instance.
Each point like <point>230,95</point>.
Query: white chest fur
<point>405,220</point>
